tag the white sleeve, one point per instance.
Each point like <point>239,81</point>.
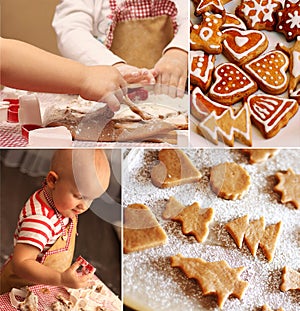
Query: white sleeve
<point>181,38</point>
<point>74,24</point>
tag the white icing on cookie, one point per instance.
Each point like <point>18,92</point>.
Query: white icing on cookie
<point>240,41</point>
<point>199,72</point>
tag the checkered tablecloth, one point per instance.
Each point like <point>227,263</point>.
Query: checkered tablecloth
<point>46,296</point>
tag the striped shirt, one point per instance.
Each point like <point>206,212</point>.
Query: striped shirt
<point>38,224</point>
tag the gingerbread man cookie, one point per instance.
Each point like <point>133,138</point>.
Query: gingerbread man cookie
<point>289,20</point>
<point>207,35</point>
<point>289,187</point>
<point>241,46</point>
<point>269,71</point>
<point>231,84</point>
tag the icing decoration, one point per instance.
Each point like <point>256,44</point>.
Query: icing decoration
<point>243,45</point>
<point>270,113</point>
<point>294,66</point>
<point>269,71</point>
<point>232,21</point>
<point>228,126</point>
<point>289,20</point>
<point>202,106</point>
<point>231,84</point>
<point>214,6</point>
<point>207,35</point>
<point>258,14</point>
<point>202,65</point>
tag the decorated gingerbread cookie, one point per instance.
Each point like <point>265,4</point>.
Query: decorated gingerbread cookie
<point>258,14</point>
<point>202,106</point>
<point>204,6</point>
<point>231,84</point>
<point>294,66</point>
<point>202,66</point>
<point>241,46</point>
<point>269,71</point>
<point>289,20</point>
<point>232,21</point>
<point>207,35</point>
<point>227,127</point>
<point>271,113</point>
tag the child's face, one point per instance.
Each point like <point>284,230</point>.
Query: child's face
<point>69,201</point>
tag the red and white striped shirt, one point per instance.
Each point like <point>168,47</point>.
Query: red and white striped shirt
<point>38,224</point>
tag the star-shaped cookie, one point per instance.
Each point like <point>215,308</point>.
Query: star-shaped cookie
<point>193,222</point>
<point>260,155</point>
<point>214,277</point>
<point>289,187</point>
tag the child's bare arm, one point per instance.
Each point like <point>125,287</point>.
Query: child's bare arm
<point>24,66</point>
<point>25,266</point>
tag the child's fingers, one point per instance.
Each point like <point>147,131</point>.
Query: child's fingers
<point>74,266</point>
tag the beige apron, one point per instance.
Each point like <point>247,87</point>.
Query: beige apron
<point>141,42</point>
<point>59,257</point>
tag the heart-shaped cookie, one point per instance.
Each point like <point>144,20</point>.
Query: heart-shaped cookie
<point>231,84</point>
<point>269,71</point>
<point>241,46</point>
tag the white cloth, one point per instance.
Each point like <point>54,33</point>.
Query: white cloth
<point>82,26</point>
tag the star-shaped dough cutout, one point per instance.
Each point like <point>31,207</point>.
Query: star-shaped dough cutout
<point>193,221</point>
<point>289,187</point>
<point>214,277</point>
<point>290,279</point>
<point>260,155</point>
<point>267,308</point>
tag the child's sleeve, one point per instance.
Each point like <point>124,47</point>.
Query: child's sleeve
<point>35,230</point>
<point>181,38</point>
<point>75,24</point>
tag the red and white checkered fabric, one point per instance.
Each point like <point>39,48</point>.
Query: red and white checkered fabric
<point>139,9</point>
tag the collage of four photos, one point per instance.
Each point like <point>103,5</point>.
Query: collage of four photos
<point>150,155</point>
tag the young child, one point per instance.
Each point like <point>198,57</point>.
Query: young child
<point>128,34</point>
<point>26,67</point>
<point>45,236</point>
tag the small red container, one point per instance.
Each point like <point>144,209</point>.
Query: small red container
<point>13,114</point>
<point>26,128</point>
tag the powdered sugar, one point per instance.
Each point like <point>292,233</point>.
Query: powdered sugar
<point>150,283</point>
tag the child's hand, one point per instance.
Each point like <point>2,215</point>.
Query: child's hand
<point>70,277</point>
<point>103,83</point>
<point>135,75</point>
<point>171,72</point>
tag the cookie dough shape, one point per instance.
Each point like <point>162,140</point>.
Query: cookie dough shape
<point>267,308</point>
<point>255,234</point>
<point>193,222</point>
<point>216,278</point>
<point>141,229</point>
<point>174,169</point>
<point>290,279</point>
<point>260,155</point>
<point>289,187</point>
<point>229,180</point>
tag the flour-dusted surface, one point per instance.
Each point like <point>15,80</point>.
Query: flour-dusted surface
<point>150,283</point>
